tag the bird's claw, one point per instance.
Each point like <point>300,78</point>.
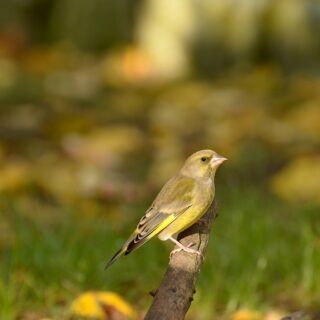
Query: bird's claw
<point>190,245</point>
<point>186,249</point>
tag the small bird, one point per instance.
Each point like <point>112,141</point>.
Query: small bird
<point>182,201</point>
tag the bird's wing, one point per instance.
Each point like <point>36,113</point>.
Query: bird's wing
<point>174,199</point>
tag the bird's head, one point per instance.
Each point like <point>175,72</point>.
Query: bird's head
<point>202,164</point>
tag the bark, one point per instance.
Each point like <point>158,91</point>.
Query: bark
<point>175,294</point>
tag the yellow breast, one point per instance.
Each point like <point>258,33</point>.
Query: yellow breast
<point>203,198</point>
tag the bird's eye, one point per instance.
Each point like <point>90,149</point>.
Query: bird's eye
<point>204,159</point>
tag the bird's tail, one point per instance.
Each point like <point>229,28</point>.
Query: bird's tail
<point>118,254</point>
<point>134,242</point>
<point>131,244</point>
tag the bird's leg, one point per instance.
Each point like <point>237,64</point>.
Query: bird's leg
<point>183,248</point>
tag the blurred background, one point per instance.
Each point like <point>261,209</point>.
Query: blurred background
<point>101,102</point>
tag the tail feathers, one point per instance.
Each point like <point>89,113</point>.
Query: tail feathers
<point>133,245</point>
<point>118,254</point>
<point>126,249</point>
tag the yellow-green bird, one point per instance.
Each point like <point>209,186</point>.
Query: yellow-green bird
<point>181,202</point>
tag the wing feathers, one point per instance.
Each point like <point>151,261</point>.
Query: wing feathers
<point>154,226</point>
<point>174,199</point>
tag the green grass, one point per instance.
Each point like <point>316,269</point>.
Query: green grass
<point>263,254</point>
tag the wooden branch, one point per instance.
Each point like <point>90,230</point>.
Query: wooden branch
<point>175,294</point>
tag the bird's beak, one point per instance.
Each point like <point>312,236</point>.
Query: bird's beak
<point>217,160</point>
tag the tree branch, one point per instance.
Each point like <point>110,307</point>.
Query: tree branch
<point>175,294</point>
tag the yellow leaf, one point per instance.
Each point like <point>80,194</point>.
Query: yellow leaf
<point>246,315</point>
<point>299,180</point>
<point>102,305</point>
<point>130,65</point>
<point>110,298</point>
<point>274,315</point>
<point>13,176</point>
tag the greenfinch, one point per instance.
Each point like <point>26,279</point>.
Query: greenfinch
<point>181,202</point>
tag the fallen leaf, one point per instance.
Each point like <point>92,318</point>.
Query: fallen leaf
<point>299,180</point>
<point>247,315</point>
<point>102,305</point>
<point>273,315</point>
<point>14,175</point>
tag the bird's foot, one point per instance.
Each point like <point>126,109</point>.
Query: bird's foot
<point>186,249</point>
